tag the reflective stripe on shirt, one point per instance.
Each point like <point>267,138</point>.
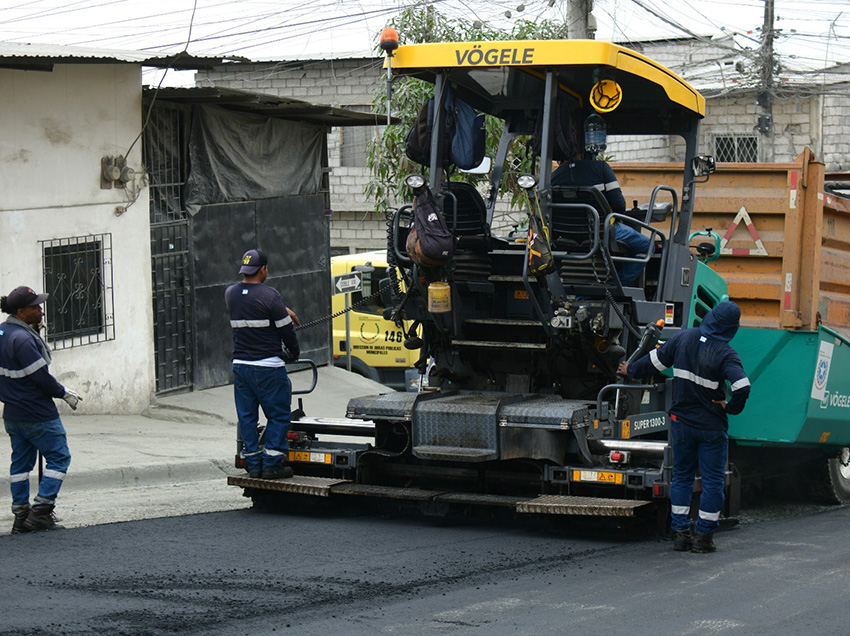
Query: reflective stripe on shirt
<point>653,357</point>
<point>236,324</point>
<point>693,377</point>
<point>740,384</point>
<point>22,373</point>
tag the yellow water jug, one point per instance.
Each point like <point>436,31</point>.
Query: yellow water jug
<point>439,298</point>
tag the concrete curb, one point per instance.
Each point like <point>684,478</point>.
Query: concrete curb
<point>139,476</point>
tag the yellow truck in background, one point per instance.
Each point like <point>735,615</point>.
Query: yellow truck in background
<point>377,344</point>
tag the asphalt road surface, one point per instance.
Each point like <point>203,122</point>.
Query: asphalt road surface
<point>252,572</point>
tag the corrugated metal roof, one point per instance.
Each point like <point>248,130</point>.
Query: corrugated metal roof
<point>42,57</point>
<point>268,105</point>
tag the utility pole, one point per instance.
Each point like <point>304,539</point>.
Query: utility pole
<point>764,97</point>
<point>581,25</point>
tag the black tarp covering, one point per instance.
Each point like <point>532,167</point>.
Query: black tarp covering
<point>241,157</point>
<point>293,232</point>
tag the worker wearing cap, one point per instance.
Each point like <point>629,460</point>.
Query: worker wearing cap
<point>261,324</point>
<point>27,391</point>
<point>703,362</point>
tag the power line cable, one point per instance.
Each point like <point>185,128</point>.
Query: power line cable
<point>162,79</point>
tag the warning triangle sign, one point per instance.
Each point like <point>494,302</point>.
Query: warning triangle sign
<point>759,249</point>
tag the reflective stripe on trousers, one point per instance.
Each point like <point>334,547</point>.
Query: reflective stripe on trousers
<point>706,450</point>
<point>28,438</point>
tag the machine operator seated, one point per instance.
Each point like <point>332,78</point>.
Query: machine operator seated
<point>585,170</point>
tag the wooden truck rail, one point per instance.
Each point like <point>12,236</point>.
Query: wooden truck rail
<point>785,241</point>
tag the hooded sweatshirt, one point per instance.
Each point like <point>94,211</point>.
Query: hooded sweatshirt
<point>702,361</point>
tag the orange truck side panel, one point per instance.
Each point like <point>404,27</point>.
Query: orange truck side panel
<point>786,243</point>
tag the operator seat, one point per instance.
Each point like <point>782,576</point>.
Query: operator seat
<point>573,227</point>
<point>465,212</point>
<point>466,218</point>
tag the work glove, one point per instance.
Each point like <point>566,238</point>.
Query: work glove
<point>72,398</point>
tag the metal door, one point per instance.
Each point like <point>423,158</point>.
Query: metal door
<point>165,157</point>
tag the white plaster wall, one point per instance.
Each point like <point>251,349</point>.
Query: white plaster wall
<point>54,129</point>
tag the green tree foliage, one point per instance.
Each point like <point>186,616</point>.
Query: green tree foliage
<point>388,165</point>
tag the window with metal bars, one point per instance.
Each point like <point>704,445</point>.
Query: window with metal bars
<point>78,277</point>
<point>736,149</point>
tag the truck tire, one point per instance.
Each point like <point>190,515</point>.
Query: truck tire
<point>829,479</point>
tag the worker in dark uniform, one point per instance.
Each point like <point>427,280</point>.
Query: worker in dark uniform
<point>261,324</point>
<point>703,362</point>
<point>581,171</point>
<point>27,391</point>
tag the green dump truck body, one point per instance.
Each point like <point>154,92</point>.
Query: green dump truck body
<point>785,259</point>
<point>800,388</point>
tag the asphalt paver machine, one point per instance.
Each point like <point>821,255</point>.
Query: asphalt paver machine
<point>520,405</point>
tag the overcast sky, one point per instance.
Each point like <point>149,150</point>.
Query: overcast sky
<point>812,33</point>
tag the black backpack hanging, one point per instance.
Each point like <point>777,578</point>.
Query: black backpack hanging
<point>429,242</point>
<point>417,144</point>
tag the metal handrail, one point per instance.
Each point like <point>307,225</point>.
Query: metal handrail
<point>595,222</point>
<point>308,364</point>
<point>396,226</point>
<point>633,221</point>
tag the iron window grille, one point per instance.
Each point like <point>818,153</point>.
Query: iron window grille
<point>736,149</point>
<point>78,277</point>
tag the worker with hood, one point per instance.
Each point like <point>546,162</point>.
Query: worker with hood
<point>703,362</point>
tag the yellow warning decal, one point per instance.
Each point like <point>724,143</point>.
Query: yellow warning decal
<point>306,456</point>
<point>598,476</point>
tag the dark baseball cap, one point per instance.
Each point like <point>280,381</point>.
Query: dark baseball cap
<point>252,261</point>
<point>24,296</point>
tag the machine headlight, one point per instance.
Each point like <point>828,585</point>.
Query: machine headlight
<point>526,181</point>
<point>414,181</point>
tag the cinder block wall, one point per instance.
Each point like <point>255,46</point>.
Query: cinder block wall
<point>351,83</point>
<point>836,115</point>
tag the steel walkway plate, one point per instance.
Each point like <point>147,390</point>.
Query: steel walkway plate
<point>544,504</point>
<point>298,484</point>
<point>583,506</point>
<point>387,492</point>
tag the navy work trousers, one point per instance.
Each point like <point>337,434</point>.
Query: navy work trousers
<point>27,439</point>
<point>707,450</point>
<point>269,388</point>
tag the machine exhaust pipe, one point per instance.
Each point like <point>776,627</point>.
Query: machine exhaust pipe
<point>637,447</point>
<point>331,426</point>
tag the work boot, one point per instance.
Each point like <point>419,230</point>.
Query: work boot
<point>682,540</point>
<point>282,472</point>
<point>255,474</point>
<point>41,517</point>
<point>703,543</point>
<point>21,515</point>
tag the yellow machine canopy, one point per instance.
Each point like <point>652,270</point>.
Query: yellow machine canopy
<point>634,94</point>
